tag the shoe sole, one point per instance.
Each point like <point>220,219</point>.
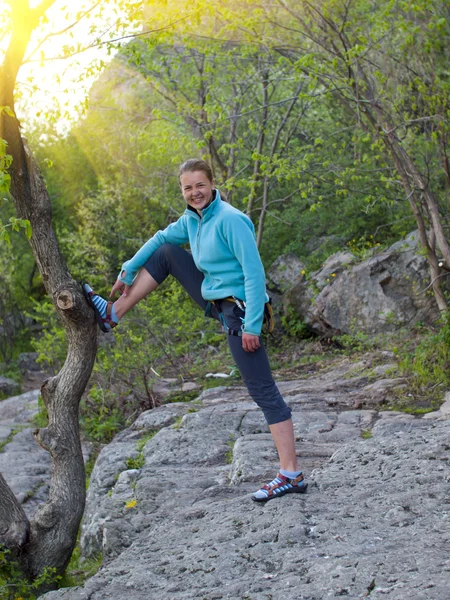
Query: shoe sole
<point>294,490</point>
<point>98,316</point>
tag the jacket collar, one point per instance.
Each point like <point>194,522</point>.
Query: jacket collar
<point>209,210</point>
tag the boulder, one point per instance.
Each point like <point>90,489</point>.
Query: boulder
<point>334,265</point>
<point>377,295</point>
<point>285,272</point>
<point>27,361</point>
<point>8,387</point>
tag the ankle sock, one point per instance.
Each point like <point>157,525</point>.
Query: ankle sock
<point>263,493</point>
<point>290,474</point>
<point>101,304</point>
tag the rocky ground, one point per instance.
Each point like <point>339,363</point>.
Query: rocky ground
<point>169,501</point>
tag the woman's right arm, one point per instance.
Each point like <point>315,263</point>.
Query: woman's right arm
<point>176,233</point>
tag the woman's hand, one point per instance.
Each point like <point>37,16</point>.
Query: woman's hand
<point>250,342</point>
<point>119,286</point>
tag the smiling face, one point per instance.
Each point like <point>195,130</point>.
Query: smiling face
<point>197,189</point>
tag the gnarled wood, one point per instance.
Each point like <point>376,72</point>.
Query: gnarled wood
<point>14,525</point>
<point>51,535</point>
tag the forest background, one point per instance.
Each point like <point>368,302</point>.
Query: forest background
<point>301,110</point>
<point>293,107</point>
<point>326,122</point>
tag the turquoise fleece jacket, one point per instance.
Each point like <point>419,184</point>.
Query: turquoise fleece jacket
<point>224,249</point>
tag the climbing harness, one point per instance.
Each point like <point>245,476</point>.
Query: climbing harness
<point>268,320</point>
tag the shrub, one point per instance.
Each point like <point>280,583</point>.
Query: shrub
<point>428,365</point>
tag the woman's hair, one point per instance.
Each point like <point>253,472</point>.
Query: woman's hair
<point>195,164</point>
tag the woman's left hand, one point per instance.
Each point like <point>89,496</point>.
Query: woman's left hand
<point>250,342</point>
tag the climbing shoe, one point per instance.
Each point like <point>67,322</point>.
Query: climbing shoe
<point>280,486</point>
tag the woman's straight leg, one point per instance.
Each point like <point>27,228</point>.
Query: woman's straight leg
<point>256,374</point>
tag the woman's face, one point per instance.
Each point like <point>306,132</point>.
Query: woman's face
<point>197,189</point>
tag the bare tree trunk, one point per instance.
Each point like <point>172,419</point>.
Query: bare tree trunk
<point>414,185</point>
<point>260,143</point>
<point>232,158</point>
<point>15,527</point>
<point>273,149</point>
<point>262,216</point>
<point>413,179</point>
<point>48,540</point>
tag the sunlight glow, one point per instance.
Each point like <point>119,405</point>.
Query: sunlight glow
<point>65,55</point>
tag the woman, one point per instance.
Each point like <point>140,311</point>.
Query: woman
<point>224,275</point>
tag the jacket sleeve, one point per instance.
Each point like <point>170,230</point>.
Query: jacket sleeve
<point>176,233</point>
<point>240,236</point>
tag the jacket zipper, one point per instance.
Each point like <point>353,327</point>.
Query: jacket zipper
<point>198,240</point>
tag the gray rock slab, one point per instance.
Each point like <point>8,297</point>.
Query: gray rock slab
<point>19,409</point>
<point>374,522</point>
<point>169,503</point>
<point>25,466</point>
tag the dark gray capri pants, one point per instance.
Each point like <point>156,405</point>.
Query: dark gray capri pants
<point>253,366</point>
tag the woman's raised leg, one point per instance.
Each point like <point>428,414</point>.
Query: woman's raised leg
<point>143,285</point>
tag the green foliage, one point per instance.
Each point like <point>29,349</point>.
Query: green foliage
<point>363,247</point>
<point>136,462</point>
<point>5,163</point>
<point>409,408</point>
<point>14,224</point>
<point>144,439</point>
<point>181,396</point>
<point>112,223</point>
<point>11,369</point>
<point>40,419</point>
<point>428,363</point>
<point>165,336</point>
<point>300,157</point>
<point>10,437</point>
<point>178,422</point>
<point>17,283</point>
<point>229,454</point>
<point>162,336</point>
<point>90,463</point>
<point>52,342</point>
<point>101,415</point>
<point>13,585</point>
<point>80,569</point>
<point>294,325</point>
<point>355,342</point>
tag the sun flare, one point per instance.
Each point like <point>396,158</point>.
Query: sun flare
<point>65,54</point>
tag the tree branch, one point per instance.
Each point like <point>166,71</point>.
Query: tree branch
<point>14,525</point>
<point>56,33</point>
<point>42,8</point>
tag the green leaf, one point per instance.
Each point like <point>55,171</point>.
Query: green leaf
<point>4,235</point>
<point>5,110</point>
